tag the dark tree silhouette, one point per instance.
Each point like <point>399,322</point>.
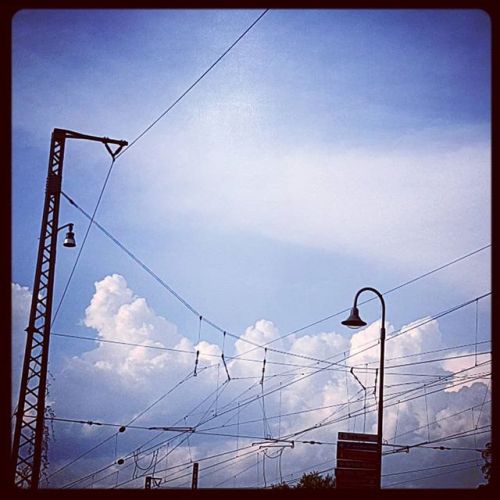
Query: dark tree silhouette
<point>486,468</point>
<point>312,480</point>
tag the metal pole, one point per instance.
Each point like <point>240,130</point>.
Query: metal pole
<point>28,434</point>
<point>28,439</point>
<point>381,402</point>
<point>194,482</point>
<point>381,383</point>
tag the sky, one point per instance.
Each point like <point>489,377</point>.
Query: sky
<point>327,151</point>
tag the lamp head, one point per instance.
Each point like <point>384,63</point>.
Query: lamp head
<point>354,321</point>
<point>69,241</point>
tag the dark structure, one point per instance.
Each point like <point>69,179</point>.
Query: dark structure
<point>28,434</point>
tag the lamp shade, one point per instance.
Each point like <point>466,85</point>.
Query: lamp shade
<point>354,321</point>
<point>69,241</point>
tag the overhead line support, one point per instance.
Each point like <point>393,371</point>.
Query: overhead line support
<point>29,427</point>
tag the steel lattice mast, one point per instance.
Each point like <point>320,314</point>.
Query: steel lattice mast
<point>29,428</point>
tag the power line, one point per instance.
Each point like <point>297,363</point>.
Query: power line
<point>129,423</point>
<point>197,313</point>
<point>80,250</point>
<point>149,127</point>
<point>135,141</point>
<point>387,292</point>
<point>328,423</point>
<point>162,348</point>
<point>436,421</point>
<point>129,344</point>
<point>332,422</point>
<point>359,412</point>
<point>156,277</point>
<point>317,371</point>
<point>429,468</point>
<point>307,442</point>
<point>439,359</point>
<point>342,418</point>
<point>203,318</point>
<point>184,432</point>
<point>432,475</point>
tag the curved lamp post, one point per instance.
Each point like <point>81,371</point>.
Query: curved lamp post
<point>354,321</point>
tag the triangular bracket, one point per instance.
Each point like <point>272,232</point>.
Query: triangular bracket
<point>115,152</point>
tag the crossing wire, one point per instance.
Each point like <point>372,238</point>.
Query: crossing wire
<point>80,250</point>
<point>149,127</point>
<point>432,475</point>
<point>202,318</point>
<point>306,442</point>
<point>387,292</point>
<point>321,369</point>
<point>129,423</point>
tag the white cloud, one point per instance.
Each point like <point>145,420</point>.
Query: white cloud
<point>114,383</point>
<point>479,365</point>
<point>386,205</point>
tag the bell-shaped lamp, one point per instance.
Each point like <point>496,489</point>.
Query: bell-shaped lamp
<point>69,241</point>
<point>354,321</point>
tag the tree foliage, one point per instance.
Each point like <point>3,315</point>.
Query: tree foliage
<point>486,468</point>
<point>312,480</point>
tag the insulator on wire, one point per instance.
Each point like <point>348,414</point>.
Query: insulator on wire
<point>196,363</point>
<point>225,366</point>
<point>263,367</point>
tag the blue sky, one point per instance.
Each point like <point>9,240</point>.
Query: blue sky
<point>329,150</point>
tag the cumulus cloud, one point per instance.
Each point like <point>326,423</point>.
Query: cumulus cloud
<point>299,397</point>
<point>475,366</point>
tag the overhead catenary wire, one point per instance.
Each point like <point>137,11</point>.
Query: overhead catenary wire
<point>429,476</point>
<point>408,329</point>
<point>193,85</point>
<point>56,313</point>
<point>386,405</point>
<point>241,338</point>
<point>186,434</point>
<point>228,460</point>
<point>280,363</point>
<point>224,331</point>
<point>328,423</point>
<point>82,245</point>
<point>205,432</point>
<point>387,292</point>
<point>311,443</point>
<point>129,423</point>
<point>317,443</point>
<point>323,368</point>
<point>132,143</point>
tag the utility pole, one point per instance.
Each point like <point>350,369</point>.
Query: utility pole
<point>194,482</point>
<point>29,428</point>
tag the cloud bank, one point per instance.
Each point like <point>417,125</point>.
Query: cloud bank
<point>308,392</point>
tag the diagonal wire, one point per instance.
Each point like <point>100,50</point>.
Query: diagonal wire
<point>84,240</point>
<point>197,313</point>
<point>409,282</point>
<point>205,73</point>
<point>129,423</point>
<point>137,139</point>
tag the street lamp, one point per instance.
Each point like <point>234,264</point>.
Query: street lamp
<point>354,321</point>
<point>69,240</point>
